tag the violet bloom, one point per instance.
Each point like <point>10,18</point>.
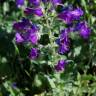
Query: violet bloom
<point>60,65</point>
<point>77,13</point>
<point>63,49</point>
<point>33,53</point>
<point>36,11</point>
<point>66,17</point>
<point>84,30</point>
<point>19,3</point>
<point>45,1</point>
<point>22,25</point>
<point>26,31</point>
<point>18,38</point>
<point>35,2</point>
<point>70,15</point>
<point>63,42</point>
<point>56,2</point>
<point>32,36</point>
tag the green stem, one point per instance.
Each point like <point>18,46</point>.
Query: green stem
<point>51,37</point>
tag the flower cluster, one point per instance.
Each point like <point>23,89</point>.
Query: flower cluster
<point>69,16</point>
<point>63,41</point>
<point>26,31</point>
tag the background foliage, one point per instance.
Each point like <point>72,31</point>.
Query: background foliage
<point>20,78</point>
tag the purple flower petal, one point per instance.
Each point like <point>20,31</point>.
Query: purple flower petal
<point>45,1</point>
<point>22,25</point>
<point>84,30</point>
<point>36,11</point>
<point>77,13</point>
<point>60,65</point>
<point>33,38</point>
<point>63,41</point>
<point>35,2</point>
<point>66,17</point>
<point>63,49</point>
<point>19,38</point>
<point>31,35</point>
<point>19,3</point>
<point>56,2</point>
<point>33,53</point>
<point>27,31</point>
<point>69,15</point>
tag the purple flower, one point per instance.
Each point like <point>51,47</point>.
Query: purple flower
<point>26,31</point>
<point>84,30</point>
<point>60,65</point>
<point>66,17</point>
<point>19,38</point>
<point>19,3</point>
<point>56,2</point>
<point>36,11</point>
<point>35,2</point>
<point>45,1</point>
<point>70,15</point>
<point>77,13</point>
<point>63,49</point>
<point>63,42</point>
<point>32,36</point>
<point>33,53</point>
<point>22,25</point>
